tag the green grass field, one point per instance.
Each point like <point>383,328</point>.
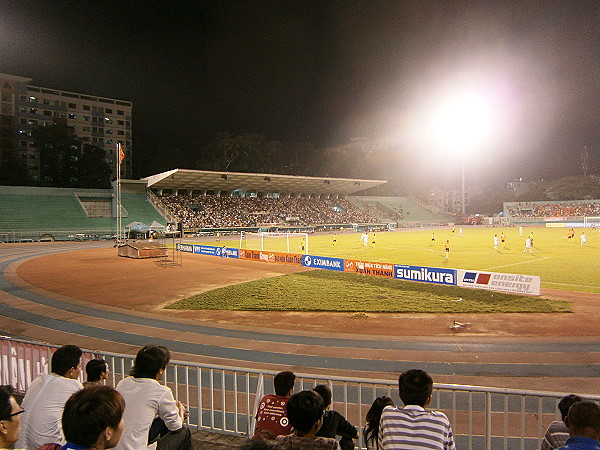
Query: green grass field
<point>560,262</point>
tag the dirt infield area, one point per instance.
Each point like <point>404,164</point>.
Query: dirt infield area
<point>102,277</point>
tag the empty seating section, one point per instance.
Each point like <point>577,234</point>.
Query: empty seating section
<point>397,209</point>
<point>137,208</point>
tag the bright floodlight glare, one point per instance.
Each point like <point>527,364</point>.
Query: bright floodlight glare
<point>462,122</point>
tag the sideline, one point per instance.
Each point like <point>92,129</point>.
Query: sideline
<point>516,264</point>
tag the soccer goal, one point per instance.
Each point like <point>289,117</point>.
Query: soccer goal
<point>275,241</point>
<point>591,222</point>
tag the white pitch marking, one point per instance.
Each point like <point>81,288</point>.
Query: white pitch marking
<point>516,264</point>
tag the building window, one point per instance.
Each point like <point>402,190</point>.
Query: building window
<point>86,118</point>
<point>86,128</point>
<point>120,132</point>
<point>108,131</point>
<point>32,110</point>
<point>108,120</point>
<point>109,141</point>
<point>32,122</point>
<point>72,106</point>
<point>121,122</point>
<point>47,113</point>
<point>86,107</point>
<point>72,116</point>
<point>32,99</point>
<point>120,113</point>
<point>47,102</point>
<point>108,111</point>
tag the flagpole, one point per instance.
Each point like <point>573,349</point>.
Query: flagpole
<point>119,228</point>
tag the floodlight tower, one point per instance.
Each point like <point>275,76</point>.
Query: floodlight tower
<point>462,121</point>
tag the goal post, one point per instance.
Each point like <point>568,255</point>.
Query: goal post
<point>591,222</point>
<point>287,242</point>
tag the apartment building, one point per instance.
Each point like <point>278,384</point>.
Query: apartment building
<point>99,121</point>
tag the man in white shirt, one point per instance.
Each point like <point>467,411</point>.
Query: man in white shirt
<point>146,399</point>
<point>45,399</point>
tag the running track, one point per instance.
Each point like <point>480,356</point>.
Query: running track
<point>34,314</point>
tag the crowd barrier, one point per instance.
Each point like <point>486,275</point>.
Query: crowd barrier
<point>502,282</point>
<point>224,399</point>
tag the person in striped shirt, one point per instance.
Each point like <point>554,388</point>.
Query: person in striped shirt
<point>414,427</point>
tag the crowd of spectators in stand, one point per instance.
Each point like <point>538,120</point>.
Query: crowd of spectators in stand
<point>59,413</point>
<point>566,209</point>
<point>227,212</point>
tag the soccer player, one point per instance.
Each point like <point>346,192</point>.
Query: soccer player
<point>334,239</point>
<point>373,240</point>
<point>528,245</point>
<point>302,245</point>
<point>453,229</point>
<point>583,238</point>
<point>432,239</point>
<point>447,248</point>
<point>365,239</point>
<point>503,239</point>
<point>496,241</point>
<point>531,238</point>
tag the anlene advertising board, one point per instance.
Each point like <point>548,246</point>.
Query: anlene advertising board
<point>274,257</point>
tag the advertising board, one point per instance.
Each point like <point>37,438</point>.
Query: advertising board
<point>504,282</point>
<point>425,274</point>
<point>323,262</point>
<point>274,257</point>
<point>369,268</point>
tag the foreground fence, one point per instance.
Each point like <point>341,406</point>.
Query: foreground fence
<point>224,399</point>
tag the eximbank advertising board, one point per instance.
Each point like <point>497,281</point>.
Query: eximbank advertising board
<point>493,281</point>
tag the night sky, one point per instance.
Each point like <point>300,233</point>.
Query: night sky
<point>325,71</point>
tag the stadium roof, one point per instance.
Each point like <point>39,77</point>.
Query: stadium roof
<point>257,182</point>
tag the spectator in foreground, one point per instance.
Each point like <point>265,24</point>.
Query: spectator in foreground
<point>334,424</point>
<point>45,399</point>
<point>583,421</point>
<point>414,426</point>
<point>10,417</point>
<point>371,429</point>
<point>146,399</point>
<point>557,432</point>
<point>271,417</point>
<point>97,371</point>
<point>92,419</point>
<point>305,412</point>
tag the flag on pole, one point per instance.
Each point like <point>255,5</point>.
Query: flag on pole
<point>121,154</point>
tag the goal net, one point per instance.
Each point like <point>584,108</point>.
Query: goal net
<point>591,222</point>
<point>275,242</point>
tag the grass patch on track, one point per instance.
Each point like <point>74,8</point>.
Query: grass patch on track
<point>322,290</point>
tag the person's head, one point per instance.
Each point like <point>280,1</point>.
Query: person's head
<point>10,417</point>
<point>305,411</point>
<point>284,383</point>
<point>374,414</point>
<point>151,361</point>
<point>94,417</point>
<point>583,419</point>
<point>324,392</point>
<point>415,387</point>
<point>566,403</point>
<point>96,370</point>
<point>66,361</point>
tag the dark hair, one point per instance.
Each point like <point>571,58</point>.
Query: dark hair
<point>149,360</point>
<point>94,369</point>
<point>6,392</point>
<point>566,403</point>
<point>374,416</point>
<point>284,383</point>
<point>304,409</point>
<point>415,387</point>
<point>89,412</point>
<point>65,358</point>
<point>324,392</point>
<point>583,415</point>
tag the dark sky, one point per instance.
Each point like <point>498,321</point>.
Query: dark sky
<point>324,71</point>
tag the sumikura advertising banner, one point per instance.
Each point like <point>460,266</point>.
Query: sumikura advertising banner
<point>425,274</point>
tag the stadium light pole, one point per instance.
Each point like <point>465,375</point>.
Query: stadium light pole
<point>461,123</point>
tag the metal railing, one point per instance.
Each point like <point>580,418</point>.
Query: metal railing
<point>224,399</point>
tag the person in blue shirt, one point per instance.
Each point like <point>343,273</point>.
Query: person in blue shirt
<point>583,421</point>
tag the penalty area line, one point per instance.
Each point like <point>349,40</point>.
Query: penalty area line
<point>516,264</point>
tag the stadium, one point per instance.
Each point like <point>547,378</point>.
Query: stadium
<point>499,365</point>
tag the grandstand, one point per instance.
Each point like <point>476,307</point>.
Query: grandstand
<point>405,211</point>
<point>33,213</point>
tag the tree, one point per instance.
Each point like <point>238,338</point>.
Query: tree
<point>241,153</point>
<point>574,188</point>
<point>94,171</point>
<point>60,150</point>
<point>13,172</point>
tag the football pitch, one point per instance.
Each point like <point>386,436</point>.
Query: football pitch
<point>561,263</point>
